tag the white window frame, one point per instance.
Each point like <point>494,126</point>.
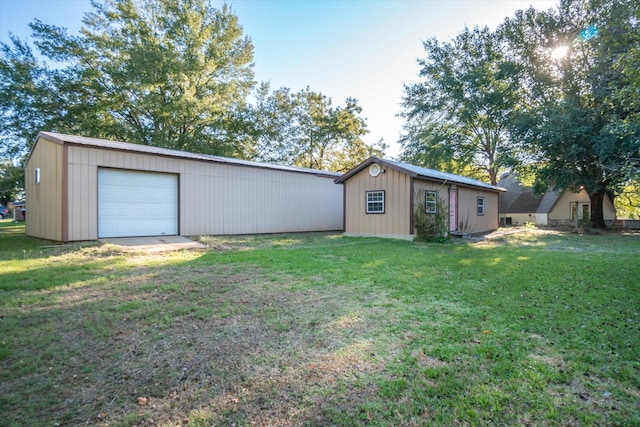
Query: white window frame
<point>430,206</point>
<point>373,201</point>
<point>480,206</point>
<point>37,176</point>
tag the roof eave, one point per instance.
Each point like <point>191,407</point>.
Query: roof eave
<point>386,164</point>
<point>462,184</point>
<point>79,141</point>
<point>373,159</point>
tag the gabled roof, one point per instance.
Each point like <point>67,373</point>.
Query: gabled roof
<point>419,172</point>
<point>526,202</point>
<point>548,200</point>
<point>521,199</point>
<point>60,138</point>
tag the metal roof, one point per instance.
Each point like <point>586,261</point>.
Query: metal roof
<point>418,171</point>
<point>148,149</point>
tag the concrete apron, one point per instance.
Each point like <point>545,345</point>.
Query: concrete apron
<point>154,244</point>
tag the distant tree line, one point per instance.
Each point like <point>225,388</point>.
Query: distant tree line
<point>554,95</point>
<point>175,74</point>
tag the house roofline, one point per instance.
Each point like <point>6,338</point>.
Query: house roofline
<point>105,144</point>
<point>432,175</point>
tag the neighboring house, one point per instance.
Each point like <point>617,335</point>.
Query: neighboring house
<point>381,197</point>
<point>81,188</point>
<point>520,205</point>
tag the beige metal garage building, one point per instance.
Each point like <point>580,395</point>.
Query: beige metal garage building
<point>82,188</point>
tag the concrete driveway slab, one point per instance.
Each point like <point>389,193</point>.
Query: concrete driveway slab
<point>154,244</point>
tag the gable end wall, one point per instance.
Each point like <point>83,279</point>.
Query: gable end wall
<point>395,221</point>
<point>44,217</point>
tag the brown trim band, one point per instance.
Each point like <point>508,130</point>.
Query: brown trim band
<point>412,213</point>
<point>65,193</point>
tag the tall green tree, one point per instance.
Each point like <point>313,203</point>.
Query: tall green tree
<point>626,95</point>
<point>323,133</point>
<point>29,99</point>
<point>11,182</point>
<point>168,73</point>
<point>579,68</point>
<point>305,129</point>
<point>456,117</point>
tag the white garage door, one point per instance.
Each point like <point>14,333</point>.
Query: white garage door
<point>133,203</point>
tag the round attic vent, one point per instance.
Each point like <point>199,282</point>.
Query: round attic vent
<point>374,169</point>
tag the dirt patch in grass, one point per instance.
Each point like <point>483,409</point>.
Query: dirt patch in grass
<point>519,236</point>
<point>598,241</point>
<point>160,345</point>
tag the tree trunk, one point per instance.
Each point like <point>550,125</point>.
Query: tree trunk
<point>597,210</point>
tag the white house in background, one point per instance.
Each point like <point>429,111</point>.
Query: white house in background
<point>519,205</point>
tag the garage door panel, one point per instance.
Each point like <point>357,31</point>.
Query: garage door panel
<point>133,203</point>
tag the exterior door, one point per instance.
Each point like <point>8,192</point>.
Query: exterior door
<point>453,209</point>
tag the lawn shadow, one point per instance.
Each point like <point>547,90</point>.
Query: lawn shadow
<point>231,346</point>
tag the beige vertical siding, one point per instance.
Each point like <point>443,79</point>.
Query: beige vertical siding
<point>422,186</point>
<point>225,199</point>
<point>395,221</point>
<point>44,200</point>
<point>468,218</point>
<point>214,198</point>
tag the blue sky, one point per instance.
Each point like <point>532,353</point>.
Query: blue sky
<point>365,49</point>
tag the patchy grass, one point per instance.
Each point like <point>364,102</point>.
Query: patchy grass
<point>317,329</point>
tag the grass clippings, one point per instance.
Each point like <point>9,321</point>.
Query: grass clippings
<point>315,329</point>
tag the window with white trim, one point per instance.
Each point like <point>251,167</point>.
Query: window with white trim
<point>37,177</point>
<point>375,202</point>
<point>431,202</point>
<point>480,205</point>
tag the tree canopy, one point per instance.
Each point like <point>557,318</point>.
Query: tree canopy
<point>304,129</point>
<point>456,116</point>
<point>163,73</point>
<point>579,116</point>
<point>11,182</point>
<point>313,133</point>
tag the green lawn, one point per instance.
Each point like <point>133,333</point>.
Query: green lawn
<point>318,329</point>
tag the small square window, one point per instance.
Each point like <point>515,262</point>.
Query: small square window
<point>431,202</point>
<point>480,205</point>
<point>375,201</point>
